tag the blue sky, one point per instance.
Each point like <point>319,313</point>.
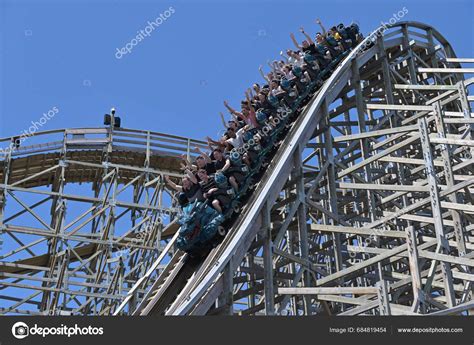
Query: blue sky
<point>62,54</point>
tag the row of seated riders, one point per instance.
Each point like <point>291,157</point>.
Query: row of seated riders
<point>214,183</point>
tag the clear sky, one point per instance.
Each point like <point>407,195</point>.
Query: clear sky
<point>63,54</point>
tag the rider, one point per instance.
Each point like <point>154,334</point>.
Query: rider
<point>308,46</point>
<point>234,170</point>
<point>216,196</point>
<point>219,159</point>
<point>189,191</point>
<point>328,41</point>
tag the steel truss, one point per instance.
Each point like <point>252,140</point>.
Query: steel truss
<point>366,209</point>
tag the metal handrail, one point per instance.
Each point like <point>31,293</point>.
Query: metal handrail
<point>87,138</point>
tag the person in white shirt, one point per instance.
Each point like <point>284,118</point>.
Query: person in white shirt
<point>236,139</point>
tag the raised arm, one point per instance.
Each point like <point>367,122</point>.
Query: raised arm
<point>235,117</point>
<point>186,161</point>
<point>209,144</point>
<point>203,155</point>
<point>191,176</point>
<point>233,111</point>
<point>260,69</point>
<point>223,119</point>
<point>212,142</point>
<point>173,185</point>
<point>250,91</point>
<point>220,144</point>
<point>248,96</point>
<point>318,21</point>
<point>295,42</point>
<point>271,65</point>
<point>256,88</point>
<point>308,37</point>
<point>229,108</point>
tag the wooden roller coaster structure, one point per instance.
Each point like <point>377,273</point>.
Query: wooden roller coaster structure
<point>367,207</point>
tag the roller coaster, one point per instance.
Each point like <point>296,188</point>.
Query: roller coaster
<point>365,207</point>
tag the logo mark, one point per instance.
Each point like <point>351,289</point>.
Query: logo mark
<point>20,330</point>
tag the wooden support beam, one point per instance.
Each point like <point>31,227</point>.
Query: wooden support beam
<point>328,291</point>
